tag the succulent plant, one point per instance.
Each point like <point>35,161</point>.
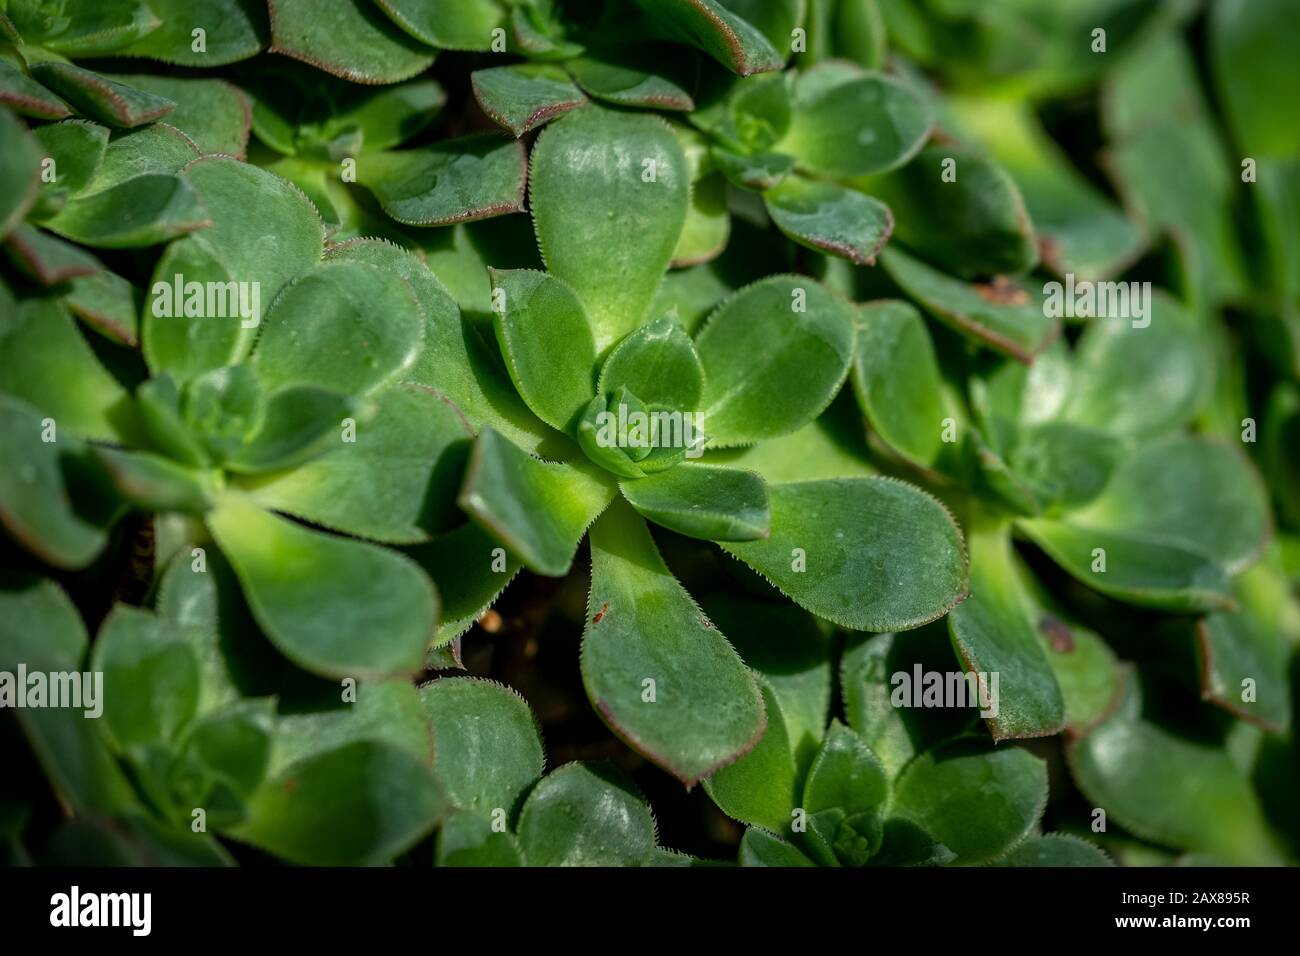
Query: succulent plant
<point>780,395</point>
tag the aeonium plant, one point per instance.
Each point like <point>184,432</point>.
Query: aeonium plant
<point>629,401</point>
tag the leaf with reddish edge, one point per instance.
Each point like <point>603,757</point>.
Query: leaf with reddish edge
<point>351,39</point>
<point>99,98</point>
<point>660,674</point>
<point>524,96</point>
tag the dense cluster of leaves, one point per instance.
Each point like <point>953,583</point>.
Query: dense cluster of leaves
<point>478,232</point>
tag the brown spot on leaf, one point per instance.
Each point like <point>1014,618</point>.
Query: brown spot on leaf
<point>1002,291</point>
<point>290,785</point>
<point>601,613</point>
<point>490,621</point>
<point>1060,637</point>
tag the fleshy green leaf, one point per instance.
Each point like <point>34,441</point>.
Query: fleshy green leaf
<point>713,27</point>
<point>456,180</point>
<point>48,259</point>
<point>526,95</point>
<point>658,672</point>
<point>854,125</point>
<point>1188,490</point>
<point>658,364</point>
<point>974,800</point>
<point>463,25</point>
<point>547,343</point>
<point>99,98</point>
<point>538,509</point>
<point>151,679</point>
<point>345,326</point>
<point>754,170</point>
<point>636,75</point>
<point>829,218</point>
<point>774,355</point>
<point>184,345</point>
<point>263,228</point>
<point>49,364</point>
<point>1171,789</point>
<point>759,788</point>
<point>233,30</point>
<point>213,113</point>
<point>609,196</point>
<point>372,798</point>
<point>467,839</point>
<point>471,571</point>
<point>1001,315</point>
<point>850,550</point>
<point>1054,849</point>
<point>108,304</point>
<point>20,169</point>
<point>1139,569</point>
<point>586,815</point>
<point>21,93</point>
<point>143,211</point>
<point>49,500</point>
<point>351,39</point>
<point>397,483</point>
<point>994,633</point>
<point>703,501</point>
<point>708,223</point>
<point>487,748</point>
<point>1140,377</point>
<point>972,226</point>
<point>153,483</point>
<point>334,606</point>
<point>760,848</point>
<point>896,379</point>
<point>40,628</point>
<point>300,422</point>
<point>845,775</point>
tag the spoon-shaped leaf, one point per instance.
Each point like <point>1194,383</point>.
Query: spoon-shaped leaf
<point>1140,377</point>
<point>609,196</point>
<point>25,96</point>
<point>40,628</point>
<point>151,678</point>
<point>213,113</point>
<point>456,180</point>
<point>525,95</point>
<point>1001,314</point>
<point>774,355</point>
<point>233,30</point>
<point>829,218</point>
<point>845,775</point>
<point>263,228</point>
<point>487,748</point>
<point>1053,849</point>
<point>547,342</point>
<point>336,607</point>
<point>658,364</point>
<point>703,501</point>
<point>143,211</point>
<point>351,39</point>
<point>187,345</point>
<point>658,672</point>
<point>397,483</point>
<point>896,379</point>
<point>345,326</point>
<point>20,168</point>
<point>586,814</point>
<point>1170,789</point>
<point>973,799</point>
<point>98,98</point>
<point>49,364</point>
<point>374,800</point>
<point>637,75</point>
<point>108,304</point>
<point>301,422</point>
<point>972,226</point>
<point>538,509</point>
<point>869,554</point>
<point>854,125</point>
<point>1143,569</point>
<point>713,27</point>
<point>994,632</point>
<point>43,502</point>
<point>463,25</point>
<point>759,788</point>
<point>1192,490</point>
